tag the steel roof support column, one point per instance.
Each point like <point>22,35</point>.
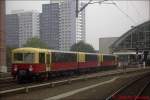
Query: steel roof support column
<point>2,37</point>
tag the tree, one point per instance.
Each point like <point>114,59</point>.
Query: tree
<point>82,47</point>
<point>36,43</point>
<point>8,57</point>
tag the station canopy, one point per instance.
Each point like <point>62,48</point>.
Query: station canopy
<point>137,38</point>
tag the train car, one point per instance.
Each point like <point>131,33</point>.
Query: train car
<point>63,62</point>
<point>109,60</point>
<point>28,63</point>
<point>89,60</point>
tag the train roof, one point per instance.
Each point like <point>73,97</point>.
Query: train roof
<point>61,51</point>
<point>30,49</point>
<point>109,54</point>
<point>126,53</point>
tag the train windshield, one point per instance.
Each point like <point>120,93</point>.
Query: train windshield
<point>24,57</point>
<point>18,57</point>
<point>28,57</point>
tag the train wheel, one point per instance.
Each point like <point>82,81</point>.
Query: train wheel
<point>71,73</point>
<point>46,76</point>
<point>20,79</point>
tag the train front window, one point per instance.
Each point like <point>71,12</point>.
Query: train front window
<point>18,57</point>
<point>28,57</point>
<point>24,57</point>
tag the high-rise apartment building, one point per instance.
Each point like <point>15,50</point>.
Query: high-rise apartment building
<point>21,26</point>
<point>80,25</point>
<point>28,26</point>
<point>72,29</point>
<point>67,24</point>
<point>59,27</point>
<point>12,30</point>
<point>49,25</point>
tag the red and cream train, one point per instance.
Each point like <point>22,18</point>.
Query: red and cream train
<point>35,62</point>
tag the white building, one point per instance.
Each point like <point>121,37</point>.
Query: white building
<point>67,24</point>
<point>72,29</point>
<point>28,25</point>
<point>80,25</point>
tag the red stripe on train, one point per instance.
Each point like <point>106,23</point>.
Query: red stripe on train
<point>64,66</point>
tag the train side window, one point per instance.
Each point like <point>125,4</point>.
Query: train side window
<point>48,59</point>
<point>70,57</point>
<point>109,58</point>
<point>63,57</point>
<point>89,57</point>
<point>42,58</point>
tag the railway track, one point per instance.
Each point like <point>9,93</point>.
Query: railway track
<point>6,82</point>
<point>13,87</point>
<point>6,79</point>
<point>145,91</point>
<point>134,90</point>
<point>10,83</point>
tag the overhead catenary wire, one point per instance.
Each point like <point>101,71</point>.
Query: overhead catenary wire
<point>134,7</point>
<point>130,18</point>
<point>114,3</point>
<point>135,11</point>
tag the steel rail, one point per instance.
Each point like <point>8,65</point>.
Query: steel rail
<point>142,90</point>
<point>26,89</point>
<point>125,87</point>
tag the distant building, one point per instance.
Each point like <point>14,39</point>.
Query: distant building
<point>137,38</point>
<point>105,43</point>
<point>60,28</point>
<point>49,25</point>
<point>21,26</point>
<point>67,24</point>
<point>12,30</point>
<point>72,29</point>
<point>80,25</point>
<point>28,26</point>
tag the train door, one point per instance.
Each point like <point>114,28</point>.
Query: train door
<point>45,59</point>
<point>81,60</point>
<point>102,59</point>
<point>99,60</point>
<point>48,61</point>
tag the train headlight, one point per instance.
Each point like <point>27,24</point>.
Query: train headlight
<point>30,68</point>
<point>15,68</point>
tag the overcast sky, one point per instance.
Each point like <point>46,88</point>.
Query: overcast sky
<point>105,20</point>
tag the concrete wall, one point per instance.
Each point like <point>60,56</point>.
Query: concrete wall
<point>105,43</point>
<point>2,37</point>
